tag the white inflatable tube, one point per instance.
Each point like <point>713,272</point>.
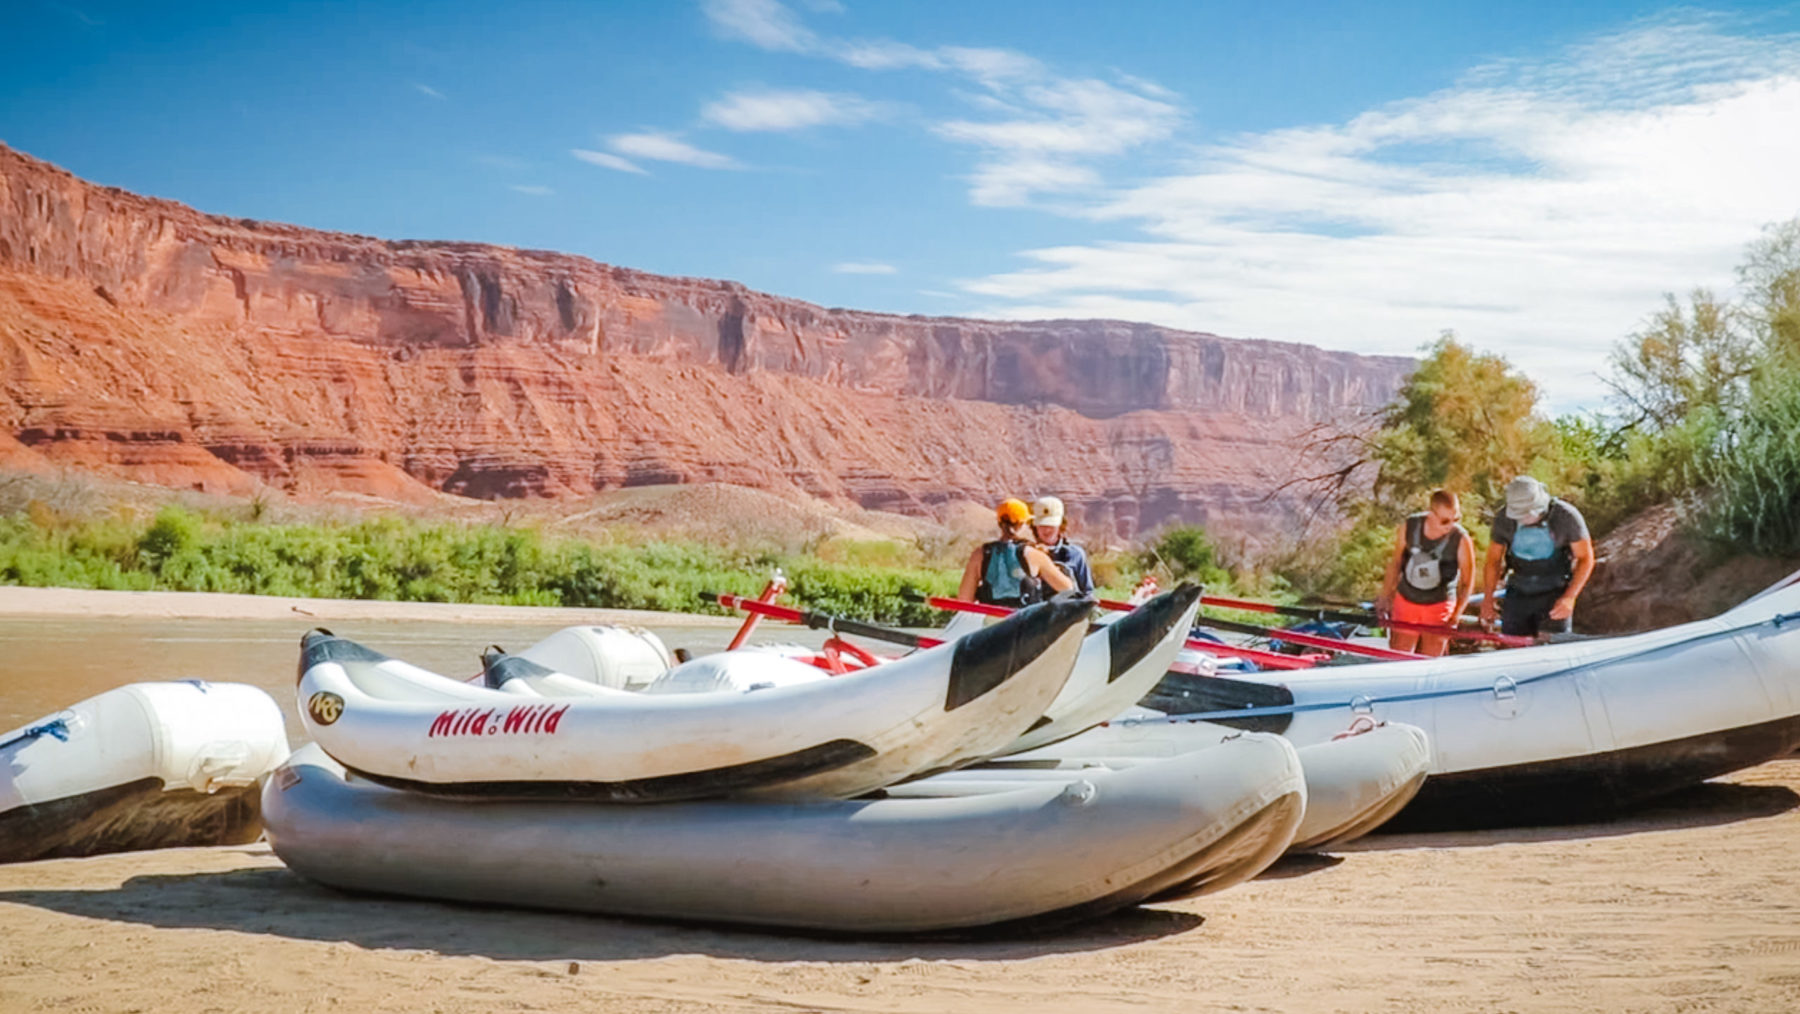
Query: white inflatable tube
<point>142,766</point>
<point>1353,784</point>
<point>839,737</point>
<point>1557,732</point>
<point>1037,855</point>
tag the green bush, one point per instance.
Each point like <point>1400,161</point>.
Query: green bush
<point>394,559</point>
<point>1187,554</point>
<point>1753,502</point>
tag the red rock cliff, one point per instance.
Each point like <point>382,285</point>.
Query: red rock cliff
<point>149,340</point>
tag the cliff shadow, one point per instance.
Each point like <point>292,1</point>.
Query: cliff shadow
<point>277,902</point>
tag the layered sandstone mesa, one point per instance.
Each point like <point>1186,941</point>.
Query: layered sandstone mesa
<point>149,341</point>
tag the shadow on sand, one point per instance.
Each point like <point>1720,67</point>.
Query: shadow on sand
<point>1299,864</point>
<point>280,903</point>
<point>1708,804</point>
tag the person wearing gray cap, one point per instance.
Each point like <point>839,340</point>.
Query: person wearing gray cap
<point>1541,546</point>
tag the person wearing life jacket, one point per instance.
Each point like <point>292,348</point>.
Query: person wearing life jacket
<point>1542,548</point>
<point>1011,570</point>
<point>1430,575</point>
<point>1052,529</point>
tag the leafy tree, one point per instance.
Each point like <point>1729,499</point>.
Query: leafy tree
<point>1189,554</point>
<point>1683,361</point>
<point>1464,420</point>
<point>1770,278</point>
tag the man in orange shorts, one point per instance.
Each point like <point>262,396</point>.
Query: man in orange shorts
<point>1429,576</point>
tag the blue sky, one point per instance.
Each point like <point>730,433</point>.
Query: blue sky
<point>1532,175</point>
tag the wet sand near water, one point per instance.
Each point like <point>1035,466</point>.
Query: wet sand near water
<point>1693,905</point>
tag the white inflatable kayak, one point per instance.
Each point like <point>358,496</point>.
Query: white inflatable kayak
<point>1553,733</point>
<point>1118,664</point>
<point>143,766</point>
<point>1033,856</point>
<point>1355,782</point>
<point>414,729</point>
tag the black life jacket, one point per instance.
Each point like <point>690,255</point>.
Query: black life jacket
<point>1429,570</point>
<point>1538,565</point>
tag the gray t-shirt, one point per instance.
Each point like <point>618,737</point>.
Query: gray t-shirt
<point>1538,555</point>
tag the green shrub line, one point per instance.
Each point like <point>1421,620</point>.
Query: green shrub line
<point>412,561</point>
<point>402,560</point>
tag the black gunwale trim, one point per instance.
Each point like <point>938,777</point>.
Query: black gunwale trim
<point>1180,693</point>
<point>766,773</point>
<point>499,667</point>
<point>992,655</point>
<point>1141,630</point>
<point>321,645</point>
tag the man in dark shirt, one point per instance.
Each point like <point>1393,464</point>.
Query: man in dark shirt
<point>1541,546</point>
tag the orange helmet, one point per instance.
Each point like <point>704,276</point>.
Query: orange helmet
<point>1013,512</point>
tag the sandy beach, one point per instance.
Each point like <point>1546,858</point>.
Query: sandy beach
<point>1693,905</point>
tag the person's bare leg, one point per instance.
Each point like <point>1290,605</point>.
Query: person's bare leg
<point>1433,645</point>
<point>1402,640</point>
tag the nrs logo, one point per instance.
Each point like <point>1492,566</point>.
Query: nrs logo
<point>528,719</point>
<point>325,707</point>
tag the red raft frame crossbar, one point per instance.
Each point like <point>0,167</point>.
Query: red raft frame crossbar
<point>1268,659</point>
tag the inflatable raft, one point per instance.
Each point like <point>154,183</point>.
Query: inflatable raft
<point>143,766</point>
<point>1355,782</point>
<point>1553,733</point>
<point>1030,855</point>
<point>1118,664</point>
<point>414,729</point>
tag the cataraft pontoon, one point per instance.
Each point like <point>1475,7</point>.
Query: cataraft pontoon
<point>1025,854</point>
<point>1355,781</point>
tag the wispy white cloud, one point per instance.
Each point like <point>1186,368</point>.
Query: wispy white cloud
<point>767,24</point>
<point>1052,130</point>
<point>1539,208</point>
<point>1046,129</point>
<point>531,189</point>
<point>427,90</point>
<point>864,268</point>
<point>659,146</point>
<point>884,54</point>
<point>765,109</point>
<point>607,160</point>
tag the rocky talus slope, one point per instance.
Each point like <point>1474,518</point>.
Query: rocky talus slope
<point>146,340</point>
